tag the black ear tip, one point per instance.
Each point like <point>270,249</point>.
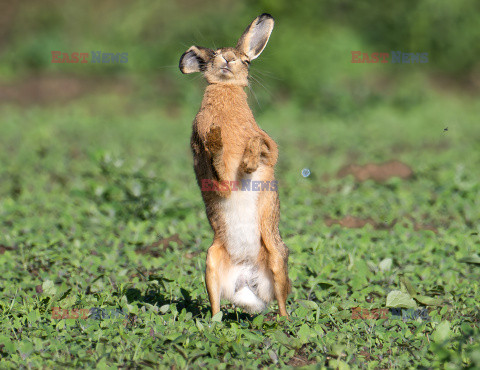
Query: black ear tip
<point>180,62</point>
<point>265,16</point>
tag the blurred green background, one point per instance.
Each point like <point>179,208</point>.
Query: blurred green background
<point>308,59</point>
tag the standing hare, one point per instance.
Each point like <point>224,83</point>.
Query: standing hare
<point>234,164</point>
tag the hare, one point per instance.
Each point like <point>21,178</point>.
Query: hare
<point>234,164</point>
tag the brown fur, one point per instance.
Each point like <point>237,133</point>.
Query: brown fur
<point>227,144</point>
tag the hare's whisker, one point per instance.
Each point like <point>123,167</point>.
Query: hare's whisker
<point>255,96</point>
<point>257,81</point>
<point>267,74</point>
<point>169,66</point>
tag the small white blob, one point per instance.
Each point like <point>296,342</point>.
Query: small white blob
<point>305,172</point>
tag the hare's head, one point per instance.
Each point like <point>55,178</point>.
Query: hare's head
<point>230,65</point>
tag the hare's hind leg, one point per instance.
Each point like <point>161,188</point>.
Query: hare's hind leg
<point>277,255</point>
<point>217,259</point>
<point>277,263</point>
<point>277,251</point>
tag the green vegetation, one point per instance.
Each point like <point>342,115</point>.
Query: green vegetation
<point>99,207</point>
<point>87,192</point>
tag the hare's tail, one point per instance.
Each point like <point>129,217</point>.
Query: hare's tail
<point>248,287</point>
<point>248,300</point>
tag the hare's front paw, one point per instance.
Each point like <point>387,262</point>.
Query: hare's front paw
<point>250,163</point>
<point>267,156</point>
<point>251,156</point>
<point>213,142</point>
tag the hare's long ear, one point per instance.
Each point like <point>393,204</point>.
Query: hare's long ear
<point>195,59</point>
<point>256,35</point>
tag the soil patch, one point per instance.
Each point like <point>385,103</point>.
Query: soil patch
<point>154,250</point>
<point>4,248</point>
<point>301,358</point>
<point>352,222</point>
<point>377,172</point>
<point>48,89</point>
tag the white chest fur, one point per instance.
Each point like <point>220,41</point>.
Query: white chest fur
<point>240,212</point>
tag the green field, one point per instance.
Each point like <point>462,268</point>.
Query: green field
<point>99,208</point>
